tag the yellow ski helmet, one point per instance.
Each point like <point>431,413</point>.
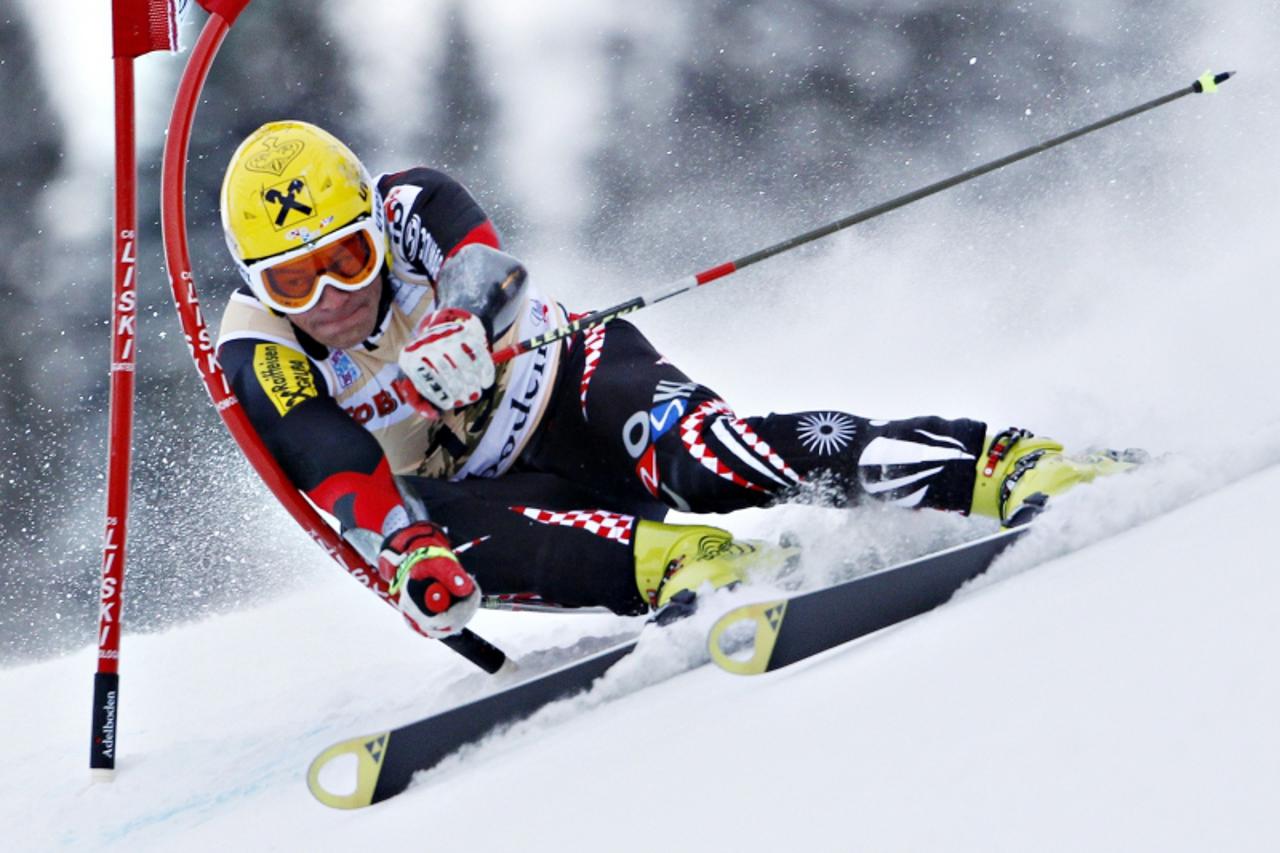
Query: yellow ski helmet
<point>289,185</point>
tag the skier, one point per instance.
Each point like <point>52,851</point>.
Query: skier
<point>360,348</point>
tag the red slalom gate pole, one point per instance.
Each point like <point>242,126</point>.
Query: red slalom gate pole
<point>222,15</point>
<point>106,681</point>
<point>138,27</point>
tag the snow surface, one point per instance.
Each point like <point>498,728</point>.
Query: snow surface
<point>1122,697</point>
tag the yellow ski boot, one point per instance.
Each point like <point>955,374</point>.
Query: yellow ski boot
<point>673,561</point>
<point>1018,472</point>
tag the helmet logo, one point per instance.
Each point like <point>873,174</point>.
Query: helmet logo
<point>276,157</point>
<point>303,234</point>
<point>295,198</point>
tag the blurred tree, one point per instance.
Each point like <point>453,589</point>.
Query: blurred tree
<point>786,107</point>
<point>465,108</point>
<point>30,154</point>
<point>463,113</point>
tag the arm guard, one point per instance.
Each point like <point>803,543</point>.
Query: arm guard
<point>486,282</point>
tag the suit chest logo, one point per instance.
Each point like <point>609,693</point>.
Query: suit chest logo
<point>344,369</point>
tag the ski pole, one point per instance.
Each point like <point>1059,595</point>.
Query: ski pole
<point>1208,82</point>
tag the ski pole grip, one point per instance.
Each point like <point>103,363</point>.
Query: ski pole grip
<point>477,649</point>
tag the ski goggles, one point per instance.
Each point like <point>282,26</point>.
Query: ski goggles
<point>348,259</point>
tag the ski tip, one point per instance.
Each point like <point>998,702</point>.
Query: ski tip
<point>742,640</point>
<point>345,775</point>
<point>1208,81</point>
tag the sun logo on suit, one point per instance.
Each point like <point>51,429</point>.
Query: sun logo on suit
<point>825,433</point>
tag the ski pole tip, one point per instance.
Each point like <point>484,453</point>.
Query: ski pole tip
<point>1208,82</point>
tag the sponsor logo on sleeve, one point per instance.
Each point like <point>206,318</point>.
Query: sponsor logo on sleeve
<point>285,376</point>
<point>412,244</point>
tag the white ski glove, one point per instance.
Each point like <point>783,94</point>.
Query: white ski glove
<point>425,578</point>
<point>449,363</point>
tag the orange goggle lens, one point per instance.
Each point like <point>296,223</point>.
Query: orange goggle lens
<point>351,261</point>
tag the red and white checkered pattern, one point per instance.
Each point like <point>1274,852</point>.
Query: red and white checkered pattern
<point>607,525</point>
<point>760,448</point>
<point>691,435</point>
<point>593,342</point>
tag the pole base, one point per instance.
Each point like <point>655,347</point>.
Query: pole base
<point>102,743</point>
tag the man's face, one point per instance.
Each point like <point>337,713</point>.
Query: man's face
<point>342,319</point>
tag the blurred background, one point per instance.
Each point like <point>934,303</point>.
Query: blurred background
<point>1120,291</point>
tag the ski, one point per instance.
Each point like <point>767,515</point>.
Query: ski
<point>785,630</point>
<point>762,637</point>
<point>385,761</point>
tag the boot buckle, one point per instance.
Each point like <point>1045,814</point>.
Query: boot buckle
<point>1000,447</point>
